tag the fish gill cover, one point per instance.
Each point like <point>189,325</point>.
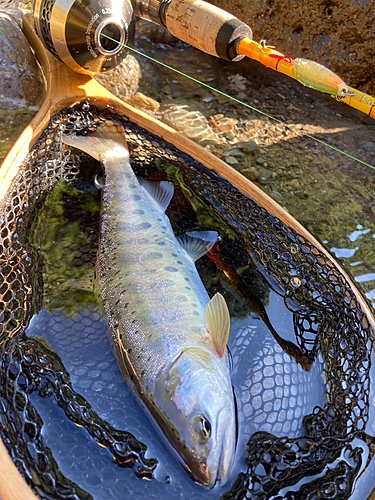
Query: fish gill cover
<point>328,322</point>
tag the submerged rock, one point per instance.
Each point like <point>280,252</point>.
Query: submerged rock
<point>190,122</point>
<point>20,80</point>
<point>123,80</point>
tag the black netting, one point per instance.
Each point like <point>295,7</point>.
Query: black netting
<point>328,320</point>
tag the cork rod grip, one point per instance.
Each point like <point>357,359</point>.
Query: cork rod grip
<point>206,27</point>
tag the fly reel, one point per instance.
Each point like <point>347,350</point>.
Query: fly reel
<point>87,35</point>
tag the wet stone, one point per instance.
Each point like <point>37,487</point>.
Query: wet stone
<point>123,80</point>
<point>250,173</point>
<point>235,152</point>
<point>190,122</point>
<point>144,102</point>
<point>20,80</point>
<point>231,160</point>
<point>264,175</point>
<point>226,124</point>
<point>247,146</point>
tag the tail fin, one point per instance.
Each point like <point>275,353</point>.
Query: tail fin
<point>108,141</point>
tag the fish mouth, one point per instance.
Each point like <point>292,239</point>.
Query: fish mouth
<point>220,473</point>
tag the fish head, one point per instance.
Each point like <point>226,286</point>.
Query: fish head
<point>196,400</point>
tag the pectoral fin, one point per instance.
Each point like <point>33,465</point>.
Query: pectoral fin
<point>198,243</point>
<point>217,320</point>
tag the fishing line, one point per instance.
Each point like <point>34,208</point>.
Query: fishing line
<point>301,133</point>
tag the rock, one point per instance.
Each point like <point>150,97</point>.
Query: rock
<point>250,173</point>
<point>231,161</point>
<point>190,122</point>
<point>226,124</point>
<point>247,145</point>
<point>144,102</point>
<point>293,184</point>
<point>276,196</point>
<point>123,80</point>
<point>264,175</point>
<point>339,35</point>
<point>235,152</point>
<point>21,84</point>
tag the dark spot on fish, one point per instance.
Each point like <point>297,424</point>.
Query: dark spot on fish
<point>196,313</point>
<point>154,255</point>
<point>129,350</point>
<point>142,241</point>
<point>136,197</point>
<point>171,269</point>
<point>138,212</point>
<point>143,225</point>
<point>187,288</point>
<point>187,279</point>
<point>159,219</point>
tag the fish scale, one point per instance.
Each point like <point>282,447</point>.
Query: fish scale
<point>134,218</point>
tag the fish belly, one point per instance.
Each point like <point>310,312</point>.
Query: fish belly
<point>152,294</point>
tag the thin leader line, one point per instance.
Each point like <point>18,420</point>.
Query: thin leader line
<point>302,133</point>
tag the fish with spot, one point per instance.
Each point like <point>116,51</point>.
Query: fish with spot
<point>169,337</point>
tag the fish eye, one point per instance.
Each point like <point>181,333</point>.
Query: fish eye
<point>202,429</point>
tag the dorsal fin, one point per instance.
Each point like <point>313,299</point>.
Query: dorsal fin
<point>197,243</point>
<point>161,192</point>
<point>216,316</point>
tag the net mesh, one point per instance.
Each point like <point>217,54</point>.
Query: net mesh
<point>326,315</point>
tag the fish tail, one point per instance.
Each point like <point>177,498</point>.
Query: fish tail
<point>106,142</point>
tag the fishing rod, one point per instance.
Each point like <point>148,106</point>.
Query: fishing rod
<point>92,37</point>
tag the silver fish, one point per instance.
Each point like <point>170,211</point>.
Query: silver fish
<point>169,337</point>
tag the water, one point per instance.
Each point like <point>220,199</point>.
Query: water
<point>273,392</point>
<point>334,200</point>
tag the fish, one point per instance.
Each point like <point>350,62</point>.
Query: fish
<point>169,337</point>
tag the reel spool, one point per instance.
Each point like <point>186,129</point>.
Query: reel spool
<point>77,31</point>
